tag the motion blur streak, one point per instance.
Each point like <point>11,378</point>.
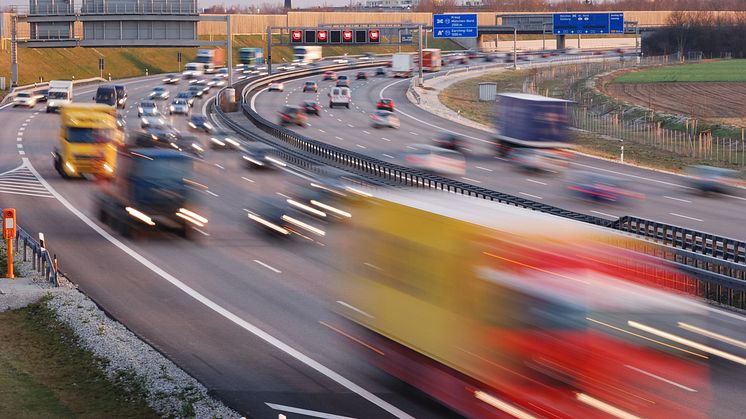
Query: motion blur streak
<point>713,335</point>
<point>352,338</point>
<point>535,268</point>
<point>684,341</point>
<point>301,224</point>
<point>273,226</point>
<point>646,338</point>
<point>140,216</point>
<point>605,407</point>
<point>499,404</point>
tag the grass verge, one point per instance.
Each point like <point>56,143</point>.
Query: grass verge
<point>64,63</point>
<point>44,373</point>
<point>711,71</point>
<point>462,97</point>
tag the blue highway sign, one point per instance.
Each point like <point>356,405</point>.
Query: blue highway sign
<point>588,23</point>
<point>462,25</point>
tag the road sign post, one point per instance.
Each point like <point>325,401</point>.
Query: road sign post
<point>456,25</point>
<point>101,67</point>
<point>9,232</point>
<point>178,60</point>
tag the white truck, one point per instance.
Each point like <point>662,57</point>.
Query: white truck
<point>307,55</point>
<point>193,70</point>
<point>402,64</point>
<point>60,93</point>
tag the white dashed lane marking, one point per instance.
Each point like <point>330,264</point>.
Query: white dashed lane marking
<point>530,196</point>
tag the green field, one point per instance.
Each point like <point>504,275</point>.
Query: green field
<point>713,71</point>
<point>63,63</point>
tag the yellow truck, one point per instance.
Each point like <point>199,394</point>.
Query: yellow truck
<point>88,141</point>
<point>499,311</point>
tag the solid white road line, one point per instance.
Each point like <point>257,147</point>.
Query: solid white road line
<point>536,181</point>
<point>388,155</point>
<point>305,412</point>
<point>685,216</point>
<point>247,179</point>
<point>604,214</point>
<point>251,328</point>
<point>468,179</point>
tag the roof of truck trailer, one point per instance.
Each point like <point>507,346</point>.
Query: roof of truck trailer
<point>537,98</point>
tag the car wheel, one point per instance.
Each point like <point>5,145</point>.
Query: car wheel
<point>347,106</point>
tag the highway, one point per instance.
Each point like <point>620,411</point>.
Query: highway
<point>250,318</point>
<point>667,198</point>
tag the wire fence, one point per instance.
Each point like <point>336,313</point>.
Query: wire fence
<point>624,122</point>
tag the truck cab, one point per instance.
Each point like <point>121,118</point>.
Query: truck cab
<point>60,93</point>
<point>153,190</point>
<point>88,141</point>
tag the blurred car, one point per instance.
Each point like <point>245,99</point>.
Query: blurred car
<point>179,107</point>
<point>279,218</point>
<point>159,93</point>
<point>200,123</point>
<point>380,71</point>
<point>343,81</point>
<point>538,159</point>
<point>171,79</point>
<point>43,95</point>
<point>460,59</point>
<point>712,179</point>
<point>450,141</point>
<point>196,91</point>
<point>310,86</point>
<point>276,86</point>
<point>292,115</point>
<point>168,137</point>
<point>384,119</point>
<point>27,99</point>
<point>490,57</point>
<point>153,121</point>
<point>121,96</point>
<point>329,75</point>
<point>385,104</point>
<point>436,160</point>
<point>187,96</point>
<point>472,54</point>
<point>601,188</point>
<point>222,72</point>
<point>361,75</point>
<point>311,108</point>
<point>341,61</point>
<point>261,156</point>
<point>147,108</point>
<point>121,122</point>
<point>216,81</point>
<point>203,83</point>
<point>224,140</point>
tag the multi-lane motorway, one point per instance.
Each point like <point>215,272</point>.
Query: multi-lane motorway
<point>667,199</point>
<point>252,318</point>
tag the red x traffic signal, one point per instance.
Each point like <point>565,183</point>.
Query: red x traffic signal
<point>321,36</point>
<point>346,36</point>
<point>296,36</point>
<point>373,35</point>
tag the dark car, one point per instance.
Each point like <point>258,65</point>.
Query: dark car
<point>380,71</point>
<point>167,137</point>
<point>329,75</point>
<point>279,218</point>
<point>311,108</point>
<point>310,86</point>
<point>385,104</point>
<point>361,75</point>
<point>343,81</point>
<point>121,96</point>
<point>712,179</point>
<point>44,95</point>
<point>200,123</point>
<point>261,156</point>
<point>196,91</point>
<point>292,115</point>
<point>600,187</point>
<point>450,142</point>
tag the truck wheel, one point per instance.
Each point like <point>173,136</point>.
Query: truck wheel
<point>503,150</point>
<point>347,106</point>
<point>103,216</point>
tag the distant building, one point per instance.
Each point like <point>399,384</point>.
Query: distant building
<point>391,4</point>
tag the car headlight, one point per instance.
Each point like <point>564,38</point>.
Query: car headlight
<point>144,121</point>
<point>139,109</point>
<point>121,101</point>
<point>171,108</point>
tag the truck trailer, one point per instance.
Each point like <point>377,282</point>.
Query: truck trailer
<point>212,58</point>
<point>431,60</point>
<point>497,311</point>
<point>307,55</point>
<point>402,64</point>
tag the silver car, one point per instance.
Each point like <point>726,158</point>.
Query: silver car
<point>179,107</point>
<point>153,122</point>
<point>159,93</point>
<point>384,119</point>
<point>148,108</point>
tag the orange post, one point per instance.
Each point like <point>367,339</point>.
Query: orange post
<point>9,232</point>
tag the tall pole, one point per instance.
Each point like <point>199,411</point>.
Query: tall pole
<point>269,50</point>
<point>515,48</point>
<point>420,47</point>
<point>14,51</point>
<point>230,50</point>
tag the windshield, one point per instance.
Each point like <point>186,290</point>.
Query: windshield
<point>22,94</point>
<point>58,95</point>
<point>148,105</point>
<point>180,102</point>
<point>159,89</point>
<point>120,91</point>
<point>89,135</point>
<point>106,96</point>
<point>164,169</point>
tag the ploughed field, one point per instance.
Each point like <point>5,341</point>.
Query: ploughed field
<point>724,102</point>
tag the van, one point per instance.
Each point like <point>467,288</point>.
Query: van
<point>340,96</point>
<point>436,160</point>
<point>107,95</point>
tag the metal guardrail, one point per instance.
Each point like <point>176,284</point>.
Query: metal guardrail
<point>711,261</point>
<point>41,261</point>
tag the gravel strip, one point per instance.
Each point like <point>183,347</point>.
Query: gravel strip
<point>169,390</point>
